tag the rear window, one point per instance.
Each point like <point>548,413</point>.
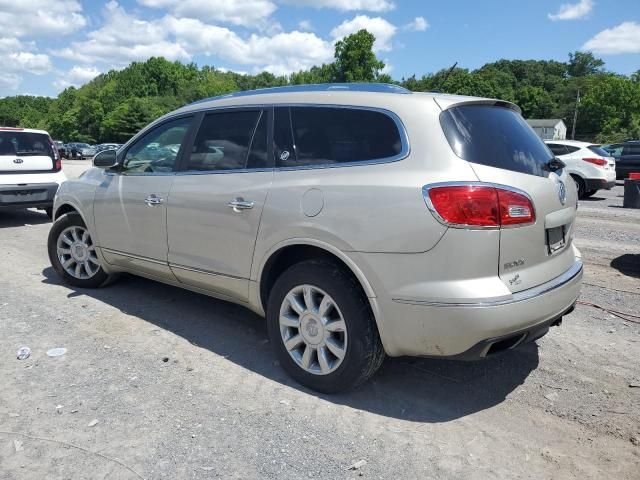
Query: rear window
<point>496,137</point>
<point>25,144</point>
<point>598,150</point>
<point>333,135</point>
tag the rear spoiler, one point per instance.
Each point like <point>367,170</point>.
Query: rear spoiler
<point>445,105</point>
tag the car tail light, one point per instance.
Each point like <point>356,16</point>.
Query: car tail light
<point>57,161</point>
<point>601,162</point>
<point>481,206</point>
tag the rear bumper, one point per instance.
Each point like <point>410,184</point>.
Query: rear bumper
<point>599,184</point>
<point>29,195</point>
<point>474,330</point>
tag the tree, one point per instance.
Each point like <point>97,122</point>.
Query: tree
<point>355,60</point>
<point>582,64</point>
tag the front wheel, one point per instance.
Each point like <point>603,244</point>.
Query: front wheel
<point>72,253</point>
<point>322,328</point>
<point>590,193</point>
<point>582,187</point>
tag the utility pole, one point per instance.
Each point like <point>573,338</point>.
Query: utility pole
<point>575,117</point>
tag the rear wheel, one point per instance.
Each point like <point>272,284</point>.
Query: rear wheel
<point>73,254</point>
<point>322,328</point>
<point>582,188</point>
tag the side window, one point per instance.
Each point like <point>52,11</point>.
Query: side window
<point>572,149</point>
<point>222,142</point>
<point>631,149</point>
<point>333,135</point>
<point>557,148</point>
<point>283,151</point>
<point>615,150</point>
<point>157,150</point>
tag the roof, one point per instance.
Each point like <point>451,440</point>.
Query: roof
<point>544,122</point>
<point>19,129</point>
<point>315,87</point>
<point>575,143</point>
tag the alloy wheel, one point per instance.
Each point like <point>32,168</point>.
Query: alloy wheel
<point>76,253</point>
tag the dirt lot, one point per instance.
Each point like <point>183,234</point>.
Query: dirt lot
<point>184,386</point>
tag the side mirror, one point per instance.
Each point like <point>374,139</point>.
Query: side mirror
<point>105,159</point>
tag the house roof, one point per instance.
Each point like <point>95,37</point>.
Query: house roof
<point>544,122</point>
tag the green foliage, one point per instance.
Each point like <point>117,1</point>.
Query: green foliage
<point>117,104</point>
<point>355,60</point>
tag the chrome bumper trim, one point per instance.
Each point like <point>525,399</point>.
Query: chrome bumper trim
<point>559,281</point>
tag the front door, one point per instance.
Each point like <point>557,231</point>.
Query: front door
<point>130,204</point>
<point>216,202</point>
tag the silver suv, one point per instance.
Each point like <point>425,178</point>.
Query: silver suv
<point>360,219</point>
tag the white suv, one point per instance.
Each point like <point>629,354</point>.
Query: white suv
<point>30,169</point>
<point>360,219</point>
<point>590,166</point>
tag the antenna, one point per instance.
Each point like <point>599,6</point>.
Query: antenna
<point>446,77</point>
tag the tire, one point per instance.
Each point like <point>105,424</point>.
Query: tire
<point>590,193</point>
<point>362,350</point>
<point>49,212</point>
<point>91,276</point>
<point>581,185</point>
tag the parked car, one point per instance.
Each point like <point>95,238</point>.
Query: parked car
<point>627,155</point>
<point>88,152</point>
<point>75,149</point>
<point>62,150</point>
<point>30,169</point>
<point>590,166</point>
<point>360,219</point>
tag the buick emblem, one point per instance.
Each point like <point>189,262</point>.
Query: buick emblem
<point>18,160</point>
<point>562,192</point>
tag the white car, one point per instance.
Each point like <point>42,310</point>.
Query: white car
<point>30,169</point>
<point>590,166</point>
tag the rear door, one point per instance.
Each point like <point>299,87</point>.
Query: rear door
<point>504,150</point>
<point>216,201</point>
<point>25,152</point>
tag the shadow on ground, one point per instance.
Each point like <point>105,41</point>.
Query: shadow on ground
<point>21,218</point>
<point>421,390</point>
<point>627,264</point>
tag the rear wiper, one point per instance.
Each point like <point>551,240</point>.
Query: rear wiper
<point>555,164</point>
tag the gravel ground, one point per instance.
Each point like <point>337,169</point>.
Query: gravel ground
<point>159,382</point>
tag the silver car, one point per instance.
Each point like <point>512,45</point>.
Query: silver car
<point>360,220</point>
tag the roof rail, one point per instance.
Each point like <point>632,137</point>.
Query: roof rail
<point>315,87</point>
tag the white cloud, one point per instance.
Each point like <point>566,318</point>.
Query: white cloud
<point>18,58</point>
<point>305,25</point>
<point>572,11</point>
<point>624,38</point>
<point>280,54</point>
<point>346,5</point>
<point>378,26</point>
<point>122,39</point>
<point>40,18</point>
<point>76,77</point>
<point>418,24</point>
<point>248,13</point>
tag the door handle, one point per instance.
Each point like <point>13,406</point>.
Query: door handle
<point>153,199</point>
<point>240,204</point>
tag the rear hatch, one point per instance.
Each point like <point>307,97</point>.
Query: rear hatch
<point>502,149</point>
<point>603,154</point>
<point>26,152</point>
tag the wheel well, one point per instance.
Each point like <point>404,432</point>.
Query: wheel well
<point>64,209</point>
<point>290,255</point>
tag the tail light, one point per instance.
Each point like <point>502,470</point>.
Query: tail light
<point>483,206</point>
<point>57,161</point>
<point>601,162</point>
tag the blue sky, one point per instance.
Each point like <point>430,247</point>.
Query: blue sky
<point>47,45</point>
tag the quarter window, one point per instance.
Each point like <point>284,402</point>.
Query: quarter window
<point>223,140</point>
<point>333,135</point>
<point>557,148</point>
<point>156,152</point>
